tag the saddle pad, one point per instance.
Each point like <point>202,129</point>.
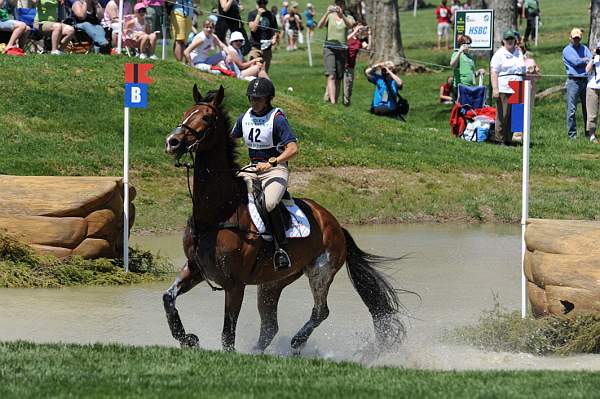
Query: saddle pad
<point>298,228</point>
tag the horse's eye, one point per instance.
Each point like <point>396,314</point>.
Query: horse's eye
<point>206,118</point>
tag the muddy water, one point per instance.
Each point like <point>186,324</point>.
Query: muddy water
<point>456,269</point>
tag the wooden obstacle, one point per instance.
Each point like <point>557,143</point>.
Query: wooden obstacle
<point>65,216</point>
<point>562,266</point>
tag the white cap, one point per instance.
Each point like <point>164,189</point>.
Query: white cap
<point>237,35</point>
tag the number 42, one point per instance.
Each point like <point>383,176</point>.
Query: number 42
<point>253,135</point>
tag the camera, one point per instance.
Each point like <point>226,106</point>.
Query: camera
<point>598,51</point>
<point>333,8</point>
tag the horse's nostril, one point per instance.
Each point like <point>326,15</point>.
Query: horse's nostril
<point>173,143</point>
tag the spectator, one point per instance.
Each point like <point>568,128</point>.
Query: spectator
<point>155,15</point>
<point>593,93</point>
<point>293,22</point>
<point>446,92</point>
<point>181,26</point>
<point>275,12</point>
<point>197,52</point>
<point>444,16</point>
<point>575,57</point>
<point>87,18</point>
<point>387,84</point>
<point>247,70</point>
<point>531,10</point>
<point>263,33</point>
<point>110,20</point>
<point>359,38</point>
<point>19,29</point>
<point>47,17</point>
<point>456,6</point>
<point>229,20</point>
<point>464,65</point>
<point>135,29</point>
<point>507,65</point>
<point>467,5</point>
<point>335,49</point>
<point>309,14</point>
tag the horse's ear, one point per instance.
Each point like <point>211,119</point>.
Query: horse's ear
<point>197,95</point>
<point>219,97</point>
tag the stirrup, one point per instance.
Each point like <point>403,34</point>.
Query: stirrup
<point>281,260</point>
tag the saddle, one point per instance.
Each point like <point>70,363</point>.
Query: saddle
<point>261,205</point>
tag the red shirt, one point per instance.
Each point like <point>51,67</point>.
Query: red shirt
<point>447,89</point>
<point>354,46</point>
<point>443,14</point>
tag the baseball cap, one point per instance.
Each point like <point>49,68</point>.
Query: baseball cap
<point>576,32</point>
<point>139,6</point>
<point>508,34</point>
<point>237,35</point>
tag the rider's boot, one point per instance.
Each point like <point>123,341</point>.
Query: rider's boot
<point>281,259</point>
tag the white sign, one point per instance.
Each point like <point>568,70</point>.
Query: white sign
<point>478,25</point>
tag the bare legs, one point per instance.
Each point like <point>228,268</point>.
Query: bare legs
<point>333,86</point>
<point>18,34</point>
<point>178,49</point>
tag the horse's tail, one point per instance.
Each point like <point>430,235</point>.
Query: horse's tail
<point>376,292</point>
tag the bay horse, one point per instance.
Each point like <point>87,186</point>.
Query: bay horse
<point>223,247</point>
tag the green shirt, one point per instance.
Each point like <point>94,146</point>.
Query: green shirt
<point>337,31</point>
<point>47,10</point>
<point>464,72</point>
<point>531,6</point>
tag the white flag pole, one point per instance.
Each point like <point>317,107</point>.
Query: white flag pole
<point>537,29</point>
<point>126,190</point>
<point>525,190</point>
<point>164,33</point>
<point>415,8</point>
<point>120,34</point>
<point>310,63</point>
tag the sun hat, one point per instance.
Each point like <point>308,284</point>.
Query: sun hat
<point>294,4</point>
<point>139,6</point>
<point>508,34</point>
<point>309,5</point>
<point>237,35</point>
<point>576,32</point>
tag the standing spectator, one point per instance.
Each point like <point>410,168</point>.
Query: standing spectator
<point>87,15</point>
<point>309,14</point>
<point>385,96</point>
<point>197,52</point>
<point>229,20</point>
<point>443,15</point>
<point>456,6</point>
<point>507,65</point>
<point>135,29</point>
<point>467,5</point>
<point>464,65</point>
<point>575,57</point>
<point>531,10</point>
<point>359,38</point>
<point>593,93</point>
<point>263,33</point>
<point>19,29</point>
<point>445,96</point>
<point>155,15</point>
<point>293,22</point>
<point>181,26</point>
<point>47,17</point>
<point>335,49</point>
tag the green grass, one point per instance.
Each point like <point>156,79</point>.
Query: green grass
<point>105,371</point>
<point>63,116</point>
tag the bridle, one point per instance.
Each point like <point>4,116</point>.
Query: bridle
<point>200,136</point>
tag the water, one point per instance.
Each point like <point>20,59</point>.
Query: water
<point>457,270</point>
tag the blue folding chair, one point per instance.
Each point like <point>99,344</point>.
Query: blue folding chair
<point>472,96</point>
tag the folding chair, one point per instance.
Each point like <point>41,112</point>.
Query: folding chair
<point>472,96</point>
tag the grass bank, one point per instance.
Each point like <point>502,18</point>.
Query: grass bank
<point>63,116</point>
<point>106,371</point>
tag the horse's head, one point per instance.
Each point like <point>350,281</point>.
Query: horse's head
<point>196,132</point>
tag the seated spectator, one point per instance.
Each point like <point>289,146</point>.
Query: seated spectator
<point>293,24</point>
<point>86,14</point>
<point>19,29</point>
<point>135,29</point>
<point>110,20</point>
<point>446,91</point>
<point>47,23</point>
<point>387,83</point>
<point>248,70</point>
<point>197,52</point>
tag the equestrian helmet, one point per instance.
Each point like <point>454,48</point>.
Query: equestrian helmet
<point>261,87</point>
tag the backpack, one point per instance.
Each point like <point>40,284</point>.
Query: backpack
<point>403,105</point>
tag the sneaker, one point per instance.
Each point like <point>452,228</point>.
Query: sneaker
<point>56,52</point>
<point>143,56</point>
<point>153,57</point>
<point>593,140</point>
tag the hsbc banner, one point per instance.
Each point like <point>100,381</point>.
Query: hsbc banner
<point>478,25</point>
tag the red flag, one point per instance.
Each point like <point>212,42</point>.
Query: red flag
<point>518,97</point>
<point>137,73</point>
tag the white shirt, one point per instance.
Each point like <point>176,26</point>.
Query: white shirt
<point>258,130</point>
<point>594,78</point>
<point>200,53</point>
<point>507,65</point>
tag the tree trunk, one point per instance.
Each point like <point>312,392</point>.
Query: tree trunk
<point>594,24</point>
<point>386,42</point>
<point>505,17</point>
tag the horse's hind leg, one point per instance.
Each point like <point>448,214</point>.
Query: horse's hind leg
<point>320,275</point>
<point>182,284</point>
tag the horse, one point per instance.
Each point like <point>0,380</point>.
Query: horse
<point>224,249</point>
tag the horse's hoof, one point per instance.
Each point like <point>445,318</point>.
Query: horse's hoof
<point>296,351</point>
<point>257,351</point>
<point>190,341</point>
<point>228,348</point>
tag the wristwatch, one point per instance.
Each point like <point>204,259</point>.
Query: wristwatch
<point>273,161</point>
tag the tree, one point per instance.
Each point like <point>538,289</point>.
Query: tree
<point>505,16</point>
<point>594,23</point>
<point>386,42</point>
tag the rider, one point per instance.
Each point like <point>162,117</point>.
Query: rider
<point>271,143</point>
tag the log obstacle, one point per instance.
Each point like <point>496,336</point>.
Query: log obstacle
<point>562,266</point>
<point>65,216</point>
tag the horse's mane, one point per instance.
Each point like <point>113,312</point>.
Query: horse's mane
<point>232,147</point>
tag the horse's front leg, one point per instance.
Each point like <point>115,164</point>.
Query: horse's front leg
<point>233,303</point>
<point>184,282</point>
